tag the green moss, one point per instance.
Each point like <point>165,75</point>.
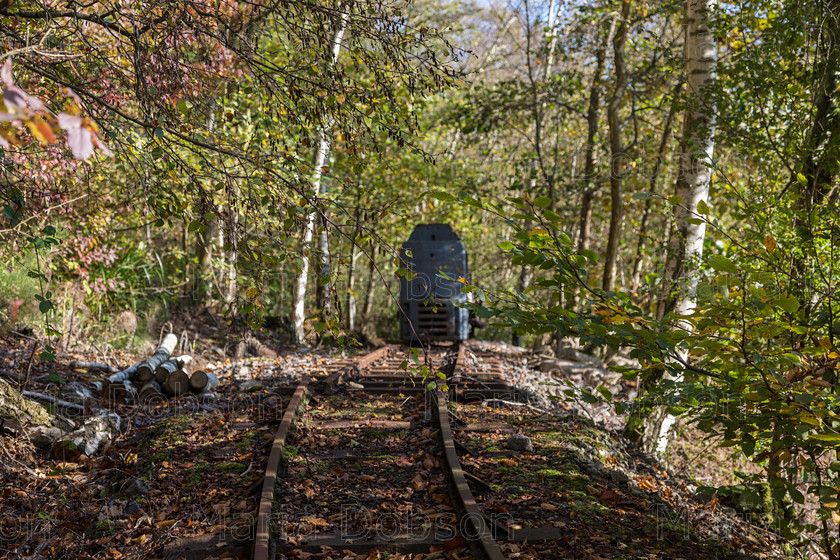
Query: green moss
<point>169,431</point>
<point>582,503</point>
<point>757,501</point>
<point>246,440</point>
<point>231,467</point>
<point>103,529</point>
<point>195,474</point>
<point>161,441</point>
<point>13,405</point>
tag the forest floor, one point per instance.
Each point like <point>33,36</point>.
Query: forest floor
<point>185,474</point>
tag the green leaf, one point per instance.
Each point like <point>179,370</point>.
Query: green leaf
<point>591,256</point>
<point>831,438</point>
<point>675,199</point>
<point>702,207</point>
<point>748,445</point>
<point>802,179</point>
<point>542,202</point>
<point>722,264</point>
<point>442,196</point>
<point>796,495</point>
<point>506,245</point>
<point>788,303</point>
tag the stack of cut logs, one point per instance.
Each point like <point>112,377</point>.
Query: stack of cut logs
<point>158,376</point>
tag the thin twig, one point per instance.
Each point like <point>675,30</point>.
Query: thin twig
<point>53,400</point>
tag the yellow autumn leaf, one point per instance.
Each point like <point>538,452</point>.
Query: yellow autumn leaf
<point>41,130</point>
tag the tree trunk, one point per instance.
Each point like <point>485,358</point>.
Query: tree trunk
<point>616,151</point>
<point>322,285</point>
<point>682,270</point>
<point>185,264</point>
<point>820,166</point>
<point>552,37</point>
<point>351,289</point>
<point>371,285</point>
<point>350,304</point>
<point>592,118</point>
<point>232,255</point>
<point>320,160</point>
<point>821,162</point>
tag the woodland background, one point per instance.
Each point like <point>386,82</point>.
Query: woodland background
<point>658,177</point>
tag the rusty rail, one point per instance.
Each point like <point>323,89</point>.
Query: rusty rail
<point>472,514</point>
<point>264,515</point>
<point>263,535</point>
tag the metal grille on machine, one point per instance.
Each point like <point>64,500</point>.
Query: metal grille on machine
<point>427,300</point>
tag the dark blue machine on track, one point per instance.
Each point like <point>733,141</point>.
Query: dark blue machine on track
<point>427,300</point>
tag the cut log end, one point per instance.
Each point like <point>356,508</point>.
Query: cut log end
<point>151,391</point>
<point>177,383</point>
<point>202,381</point>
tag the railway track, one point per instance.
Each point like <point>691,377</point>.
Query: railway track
<point>374,466</point>
<point>367,458</point>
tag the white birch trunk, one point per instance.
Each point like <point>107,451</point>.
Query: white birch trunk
<point>682,270</point>
<point>320,159</point>
<point>552,41</point>
<point>351,289</point>
<point>233,253</point>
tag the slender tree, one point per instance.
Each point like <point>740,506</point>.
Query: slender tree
<point>593,116</point>
<point>685,249</point>
<point>319,161</point>
<point>617,154</point>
